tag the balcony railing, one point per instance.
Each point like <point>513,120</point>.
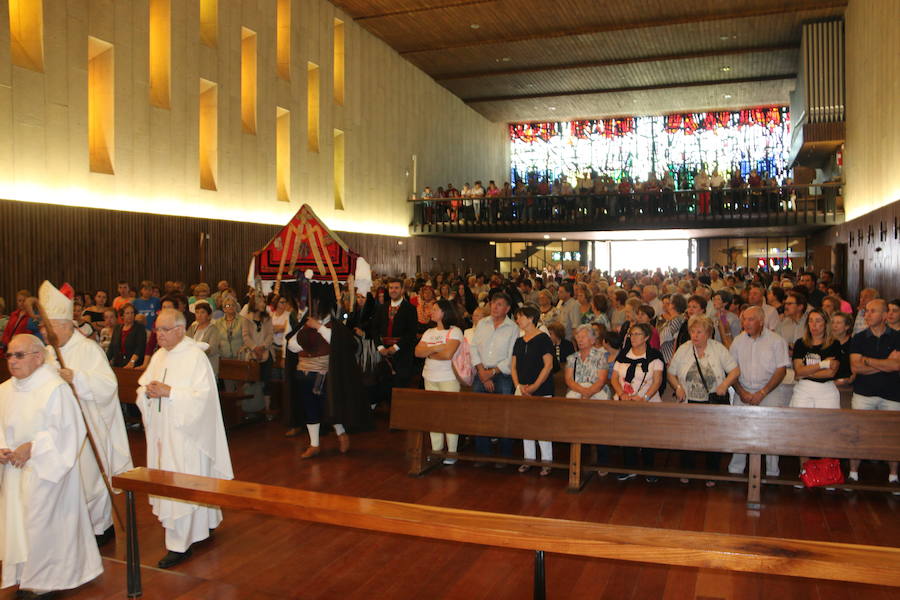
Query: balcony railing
<point>745,207</point>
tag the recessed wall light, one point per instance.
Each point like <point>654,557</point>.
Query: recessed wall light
<point>725,69</point>
<point>724,37</point>
<point>546,237</point>
<point>474,25</point>
<point>551,108</point>
<point>727,96</point>
<point>506,59</point>
<point>563,239</point>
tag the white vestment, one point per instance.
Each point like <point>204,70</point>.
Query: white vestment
<point>46,542</point>
<point>185,434</point>
<point>98,393</point>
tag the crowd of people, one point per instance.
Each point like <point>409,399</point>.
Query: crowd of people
<point>714,336</point>
<point>596,195</point>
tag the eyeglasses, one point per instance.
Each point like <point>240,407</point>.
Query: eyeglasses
<point>167,329</point>
<point>19,355</point>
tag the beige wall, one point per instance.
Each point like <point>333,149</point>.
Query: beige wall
<point>872,152</point>
<point>392,111</point>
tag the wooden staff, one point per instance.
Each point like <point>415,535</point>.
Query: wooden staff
<point>36,311</point>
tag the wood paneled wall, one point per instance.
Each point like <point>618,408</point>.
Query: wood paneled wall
<point>875,243</point>
<point>93,248</point>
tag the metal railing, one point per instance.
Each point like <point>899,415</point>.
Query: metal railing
<point>785,205</point>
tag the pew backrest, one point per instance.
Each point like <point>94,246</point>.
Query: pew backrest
<point>736,429</point>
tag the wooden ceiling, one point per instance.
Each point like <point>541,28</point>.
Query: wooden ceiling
<point>524,60</point>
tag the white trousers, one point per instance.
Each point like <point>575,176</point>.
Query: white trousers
<point>437,438</point>
<point>528,445</point>
<point>814,394</point>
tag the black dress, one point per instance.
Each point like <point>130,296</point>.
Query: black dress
<point>530,362</point>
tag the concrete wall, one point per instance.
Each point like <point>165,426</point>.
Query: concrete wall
<point>872,151</point>
<point>392,112</point>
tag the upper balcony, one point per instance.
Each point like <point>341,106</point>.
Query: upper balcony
<point>787,208</point>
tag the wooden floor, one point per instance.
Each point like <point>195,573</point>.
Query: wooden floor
<point>253,556</point>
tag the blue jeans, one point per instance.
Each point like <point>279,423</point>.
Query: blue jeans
<point>502,385</point>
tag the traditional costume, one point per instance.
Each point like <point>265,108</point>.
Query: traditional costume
<point>45,532</point>
<point>185,434</point>
<point>327,382</point>
<point>98,393</point>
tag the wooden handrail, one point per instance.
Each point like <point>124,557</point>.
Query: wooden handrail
<point>799,558</point>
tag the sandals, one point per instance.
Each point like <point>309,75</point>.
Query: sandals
<point>524,468</point>
<point>545,471</point>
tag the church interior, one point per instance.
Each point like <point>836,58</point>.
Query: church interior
<point>172,139</point>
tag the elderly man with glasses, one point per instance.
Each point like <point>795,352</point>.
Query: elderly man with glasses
<point>183,423</point>
<point>47,539</point>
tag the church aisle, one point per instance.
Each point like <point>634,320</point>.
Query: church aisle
<point>253,556</point>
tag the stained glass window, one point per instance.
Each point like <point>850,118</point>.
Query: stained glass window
<point>634,147</point>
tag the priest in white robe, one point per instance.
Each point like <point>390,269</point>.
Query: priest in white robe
<point>87,368</point>
<point>185,433</point>
<point>46,540</point>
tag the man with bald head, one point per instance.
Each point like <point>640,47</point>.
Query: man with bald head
<point>875,359</point>
<point>87,368</point>
<point>46,541</point>
<point>183,423</point>
<point>762,356</point>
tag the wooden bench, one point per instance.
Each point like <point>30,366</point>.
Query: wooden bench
<point>236,370</point>
<point>799,558</point>
<point>751,430</point>
<point>243,372</point>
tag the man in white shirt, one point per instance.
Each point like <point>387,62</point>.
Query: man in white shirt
<point>716,283</point>
<point>763,358</point>
<point>865,296</point>
<point>793,325</point>
<point>756,296</point>
<point>491,352</point>
<point>650,295</point>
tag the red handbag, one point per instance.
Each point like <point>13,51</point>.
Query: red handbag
<point>819,472</point>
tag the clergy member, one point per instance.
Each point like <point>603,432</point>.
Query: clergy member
<point>183,422</point>
<point>98,393</point>
<point>46,542</point>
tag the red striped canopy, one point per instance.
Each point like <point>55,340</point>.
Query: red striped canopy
<point>305,243</point>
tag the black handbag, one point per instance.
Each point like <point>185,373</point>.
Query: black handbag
<point>714,398</point>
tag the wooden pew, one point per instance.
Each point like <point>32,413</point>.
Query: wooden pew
<point>237,370</point>
<point>798,558</point>
<point>244,372</point>
<point>128,383</point>
<point>752,430</point>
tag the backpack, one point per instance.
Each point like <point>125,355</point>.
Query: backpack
<point>462,363</point>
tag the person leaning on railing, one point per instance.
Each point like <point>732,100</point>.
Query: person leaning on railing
<point>816,361</point>
<point>637,377</point>
<point>437,347</point>
<point>701,372</point>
